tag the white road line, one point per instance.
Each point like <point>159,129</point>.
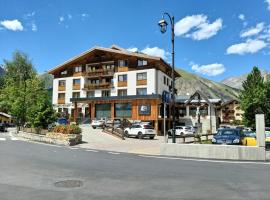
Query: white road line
<point>3,139</point>
<point>202,160</point>
<point>91,150</point>
<point>114,153</point>
<point>13,138</point>
<point>73,148</point>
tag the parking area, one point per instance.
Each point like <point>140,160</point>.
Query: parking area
<point>96,139</point>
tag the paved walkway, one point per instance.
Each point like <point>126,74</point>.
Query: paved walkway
<point>96,139</point>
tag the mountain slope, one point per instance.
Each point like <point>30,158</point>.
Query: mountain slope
<point>189,83</point>
<point>236,81</point>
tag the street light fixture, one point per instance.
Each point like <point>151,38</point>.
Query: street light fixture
<point>163,27</point>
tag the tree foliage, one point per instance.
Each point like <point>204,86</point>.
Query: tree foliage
<point>253,98</point>
<point>23,94</point>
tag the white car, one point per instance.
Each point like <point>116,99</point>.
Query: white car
<point>182,130</point>
<point>97,123</point>
<point>140,131</point>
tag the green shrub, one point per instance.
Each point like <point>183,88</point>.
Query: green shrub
<point>67,129</point>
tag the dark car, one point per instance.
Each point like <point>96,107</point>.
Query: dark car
<point>227,136</point>
<point>3,127</point>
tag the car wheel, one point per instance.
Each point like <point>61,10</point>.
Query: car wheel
<point>126,134</point>
<point>152,137</point>
<point>181,133</point>
<point>140,136</point>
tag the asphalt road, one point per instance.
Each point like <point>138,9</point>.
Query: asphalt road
<point>29,171</point>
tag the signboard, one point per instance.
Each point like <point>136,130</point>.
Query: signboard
<point>166,97</point>
<point>144,109</point>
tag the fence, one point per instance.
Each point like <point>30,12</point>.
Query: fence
<point>194,138</point>
<point>117,132</point>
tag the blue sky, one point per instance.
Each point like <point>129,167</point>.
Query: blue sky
<point>215,39</point>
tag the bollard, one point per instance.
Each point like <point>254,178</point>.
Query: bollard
<point>260,130</point>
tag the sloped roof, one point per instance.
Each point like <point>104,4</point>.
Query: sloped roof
<point>5,115</point>
<point>114,49</point>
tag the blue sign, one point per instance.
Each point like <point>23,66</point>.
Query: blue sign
<point>166,97</point>
<point>144,109</point>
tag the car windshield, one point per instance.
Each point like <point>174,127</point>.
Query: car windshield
<point>227,132</point>
<point>249,134</point>
<point>267,133</point>
<point>178,127</point>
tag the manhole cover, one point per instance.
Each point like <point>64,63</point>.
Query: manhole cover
<point>69,183</point>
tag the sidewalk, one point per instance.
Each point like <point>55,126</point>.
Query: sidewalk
<point>96,139</point>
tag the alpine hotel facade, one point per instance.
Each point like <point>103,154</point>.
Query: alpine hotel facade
<point>112,83</point>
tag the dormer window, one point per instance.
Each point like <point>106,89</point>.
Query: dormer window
<point>64,72</point>
<point>78,69</point>
<point>122,63</point>
<point>142,62</point>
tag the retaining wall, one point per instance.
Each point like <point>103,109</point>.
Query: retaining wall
<point>205,151</point>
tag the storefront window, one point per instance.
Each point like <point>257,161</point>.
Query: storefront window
<point>123,110</point>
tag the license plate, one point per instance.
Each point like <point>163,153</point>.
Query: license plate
<point>150,131</point>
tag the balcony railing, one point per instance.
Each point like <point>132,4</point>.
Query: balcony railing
<point>91,86</point>
<point>99,72</point>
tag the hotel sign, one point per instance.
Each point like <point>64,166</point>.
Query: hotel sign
<point>144,109</point>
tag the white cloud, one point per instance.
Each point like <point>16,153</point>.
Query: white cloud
<point>34,27</point>
<point>133,49</point>
<point>207,30</point>
<point>253,30</point>
<point>250,46</point>
<point>187,23</point>
<point>209,70</point>
<point>155,51</point>
<point>61,19</point>
<point>13,25</point>
<point>241,17</point>
<point>197,27</point>
<point>268,4</point>
<point>69,16</point>
<point>84,16</point>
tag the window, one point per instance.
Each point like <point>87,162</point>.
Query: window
<point>78,69</point>
<point>90,94</point>
<point>142,76</point>
<point>64,72</point>
<point>61,95</point>
<point>141,91</point>
<point>122,77</point>
<point>76,95</point>
<point>142,62</point>
<point>123,110</point>
<point>168,81</point>
<point>108,67</point>
<point>164,80</point>
<point>106,93</point>
<point>94,81</point>
<point>122,92</point>
<point>122,63</point>
<point>62,83</point>
<point>76,81</point>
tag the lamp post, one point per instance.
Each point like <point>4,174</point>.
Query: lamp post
<point>163,27</point>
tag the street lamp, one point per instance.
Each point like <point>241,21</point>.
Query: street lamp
<point>163,27</point>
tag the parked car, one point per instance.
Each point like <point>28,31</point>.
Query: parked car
<point>249,138</point>
<point>182,130</point>
<point>227,136</point>
<point>140,131</point>
<point>3,127</point>
<point>97,123</point>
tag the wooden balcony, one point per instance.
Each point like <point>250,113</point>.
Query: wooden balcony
<point>122,69</point>
<point>122,84</point>
<point>76,87</point>
<point>99,72</point>
<point>141,82</point>
<point>105,85</point>
<point>76,74</point>
<point>61,101</point>
<point>61,88</point>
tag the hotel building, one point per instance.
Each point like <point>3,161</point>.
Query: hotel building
<point>112,83</point>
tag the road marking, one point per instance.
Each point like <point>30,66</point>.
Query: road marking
<point>13,138</point>
<point>115,153</point>
<point>3,139</point>
<point>73,148</point>
<point>91,150</point>
<point>202,160</point>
